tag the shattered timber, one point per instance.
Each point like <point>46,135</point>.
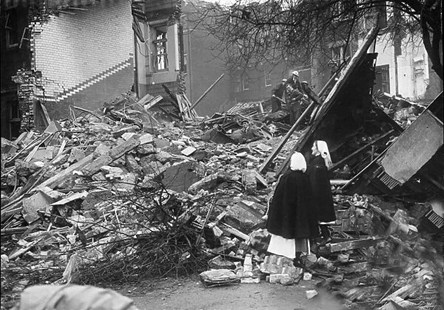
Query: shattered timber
<point>148,188</point>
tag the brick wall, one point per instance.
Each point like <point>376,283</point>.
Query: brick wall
<point>79,53</point>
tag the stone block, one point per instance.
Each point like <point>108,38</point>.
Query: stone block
<point>32,205</point>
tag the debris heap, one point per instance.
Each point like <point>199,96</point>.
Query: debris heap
<point>147,188</point>
<point>96,199</point>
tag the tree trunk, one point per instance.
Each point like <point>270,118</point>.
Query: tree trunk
<point>432,34</point>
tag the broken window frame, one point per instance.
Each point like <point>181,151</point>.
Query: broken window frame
<point>341,11</point>
<point>160,59</point>
<point>267,78</point>
<point>11,28</point>
<point>185,63</point>
<point>245,82</point>
<point>14,117</point>
<point>342,54</point>
<point>385,77</point>
<point>237,84</point>
<point>375,16</point>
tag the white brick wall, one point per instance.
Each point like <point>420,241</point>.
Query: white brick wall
<point>71,49</point>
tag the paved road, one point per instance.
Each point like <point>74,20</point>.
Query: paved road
<point>190,294</point>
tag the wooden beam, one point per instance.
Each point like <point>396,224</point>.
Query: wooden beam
<point>351,245</point>
<point>234,231</point>
<point>172,96</point>
<point>13,230</point>
<point>344,160</point>
<point>152,102</point>
<point>278,147</point>
<point>86,111</point>
<point>207,91</point>
<point>375,160</point>
<point>65,174</point>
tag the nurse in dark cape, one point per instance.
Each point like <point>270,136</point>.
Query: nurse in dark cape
<point>292,218</point>
<point>317,169</point>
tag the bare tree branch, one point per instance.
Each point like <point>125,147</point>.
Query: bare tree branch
<point>294,31</point>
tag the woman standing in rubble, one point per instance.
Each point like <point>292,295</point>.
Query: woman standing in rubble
<point>317,169</point>
<point>292,219</point>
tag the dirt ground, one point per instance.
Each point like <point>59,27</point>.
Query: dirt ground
<point>191,294</point>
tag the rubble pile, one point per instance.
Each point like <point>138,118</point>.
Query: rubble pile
<point>147,188</point>
<point>119,196</point>
<point>401,110</point>
<point>124,197</point>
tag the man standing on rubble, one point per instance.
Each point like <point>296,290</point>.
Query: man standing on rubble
<point>293,96</point>
<point>276,96</point>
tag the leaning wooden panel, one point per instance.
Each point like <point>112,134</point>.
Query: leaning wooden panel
<point>414,147</point>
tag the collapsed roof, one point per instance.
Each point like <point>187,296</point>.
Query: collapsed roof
<point>360,137</point>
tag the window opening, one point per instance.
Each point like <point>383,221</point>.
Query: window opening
<point>161,57</point>
<point>11,26</point>
<point>268,79</point>
<point>245,83</point>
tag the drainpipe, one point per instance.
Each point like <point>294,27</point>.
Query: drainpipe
<point>189,63</point>
<point>136,79</point>
<point>396,75</point>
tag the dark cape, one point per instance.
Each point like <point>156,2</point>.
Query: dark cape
<point>292,214</point>
<point>320,182</point>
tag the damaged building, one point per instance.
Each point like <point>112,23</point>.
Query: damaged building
<point>124,192</point>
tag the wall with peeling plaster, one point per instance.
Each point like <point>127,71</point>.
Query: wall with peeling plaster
<point>415,78</point>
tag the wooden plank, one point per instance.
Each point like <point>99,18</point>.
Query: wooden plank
<point>358,175</point>
<point>351,245</point>
<point>113,154</point>
<point>21,137</point>
<point>354,268</point>
<point>281,143</point>
<point>13,231</point>
<point>152,102</point>
<point>145,116</point>
<point>32,153</point>
<point>172,96</point>
<point>62,148</point>
<point>207,91</point>
<point>8,213</point>
<point>234,231</point>
<point>248,206</point>
<point>359,151</point>
<point>65,174</point>
<point>169,113</point>
<point>193,111</point>
<point>86,111</point>
<point>183,109</point>
<point>26,249</point>
<point>260,178</point>
<point>145,99</point>
<point>88,165</point>
<point>37,141</point>
<point>404,291</point>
